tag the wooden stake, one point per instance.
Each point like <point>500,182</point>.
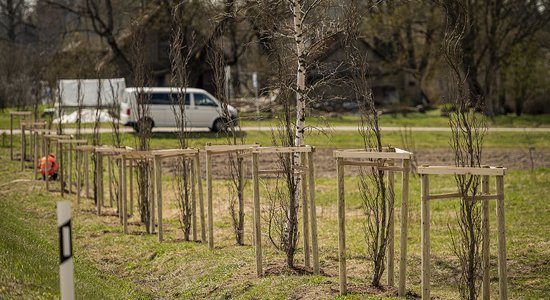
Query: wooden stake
<point>313,214</point>
<point>152,196</point>
<point>209,199</point>
<point>110,177</point>
<point>99,182</point>
<point>257,226</point>
<point>240,170</point>
<point>193,201</point>
<point>36,157</point>
<point>341,225</point>
<point>404,228</point>
<point>485,239</point>
<point>70,168</point>
<point>131,179</point>
<point>501,228</point>
<point>196,160</point>
<point>425,237</point>
<point>78,175</point>
<point>86,174</point>
<point>158,184</point>
<point>22,145</point>
<point>47,168</point>
<point>391,224</point>
<point>61,169</point>
<point>120,191</point>
<point>305,223</point>
<point>11,137</point>
<point>122,183</point>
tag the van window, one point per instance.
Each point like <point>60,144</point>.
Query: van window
<point>203,100</point>
<point>175,100</point>
<point>167,99</point>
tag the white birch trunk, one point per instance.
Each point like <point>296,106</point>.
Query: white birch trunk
<point>301,73</point>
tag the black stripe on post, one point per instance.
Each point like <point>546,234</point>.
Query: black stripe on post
<point>62,242</point>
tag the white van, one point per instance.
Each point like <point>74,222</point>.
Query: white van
<point>201,108</point>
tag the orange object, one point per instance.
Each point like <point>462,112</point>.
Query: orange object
<point>52,165</point>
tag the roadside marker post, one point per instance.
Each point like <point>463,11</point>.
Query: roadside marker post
<point>66,266</point>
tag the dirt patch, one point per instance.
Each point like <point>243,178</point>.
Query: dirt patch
<point>325,165</point>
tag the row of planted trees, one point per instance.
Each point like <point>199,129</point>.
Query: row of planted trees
<point>293,46</point>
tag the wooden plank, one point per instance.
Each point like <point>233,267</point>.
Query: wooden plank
<point>305,211</point>
<point>501,237</point>
<point>341,225</point>
<point>391,223</point>
<point>257,225</point>
<point>20,113</point>
<point>36,158</point>
<point>404,228</point>
<point>425,235</point>
<point>370,155</point>
<point>313,214</point>
<point>220,149</point>
<point>119,192</point>
<point>201,198</point>
<point>486,288</point>
<point>209,200</point>
<point>362,163</point>
<point>65,141</point>
<point>445,196</point>
<point>451,170</point>
<point>303,149</point>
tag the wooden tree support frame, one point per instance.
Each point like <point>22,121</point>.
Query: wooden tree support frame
<point>39,149</point>
<point>240,151</point>
<point>69,168</point>
<point>385,161</point>
<point>47,141</point>
<point>193,156</point>
<point>129,160</point>
<point>22,115</point>
<point>308,184</point>
<point>101,153</point>
<point>83,160</point>
<point>485,173</point>
<point>31,127</point>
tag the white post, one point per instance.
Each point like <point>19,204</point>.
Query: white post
<point>66,266</point>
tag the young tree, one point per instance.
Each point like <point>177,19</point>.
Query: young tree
<point>468,129</point>
<point>377,200</point>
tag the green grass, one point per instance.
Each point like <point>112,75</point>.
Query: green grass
<point>431,118</point>
<point>345,139</point>
<point>110,265</point>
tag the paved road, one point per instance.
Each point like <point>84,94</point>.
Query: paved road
<point>335,128</point>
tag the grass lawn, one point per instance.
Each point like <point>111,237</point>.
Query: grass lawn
<point>110,265</point>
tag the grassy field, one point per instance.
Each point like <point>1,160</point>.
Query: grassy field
<point>431,118</point>
<point>110,265</point>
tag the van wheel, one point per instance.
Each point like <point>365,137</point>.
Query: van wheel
<point>218,126</point>
<point>145,124</point>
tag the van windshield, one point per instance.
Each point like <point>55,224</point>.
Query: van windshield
<point>163,98</point>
